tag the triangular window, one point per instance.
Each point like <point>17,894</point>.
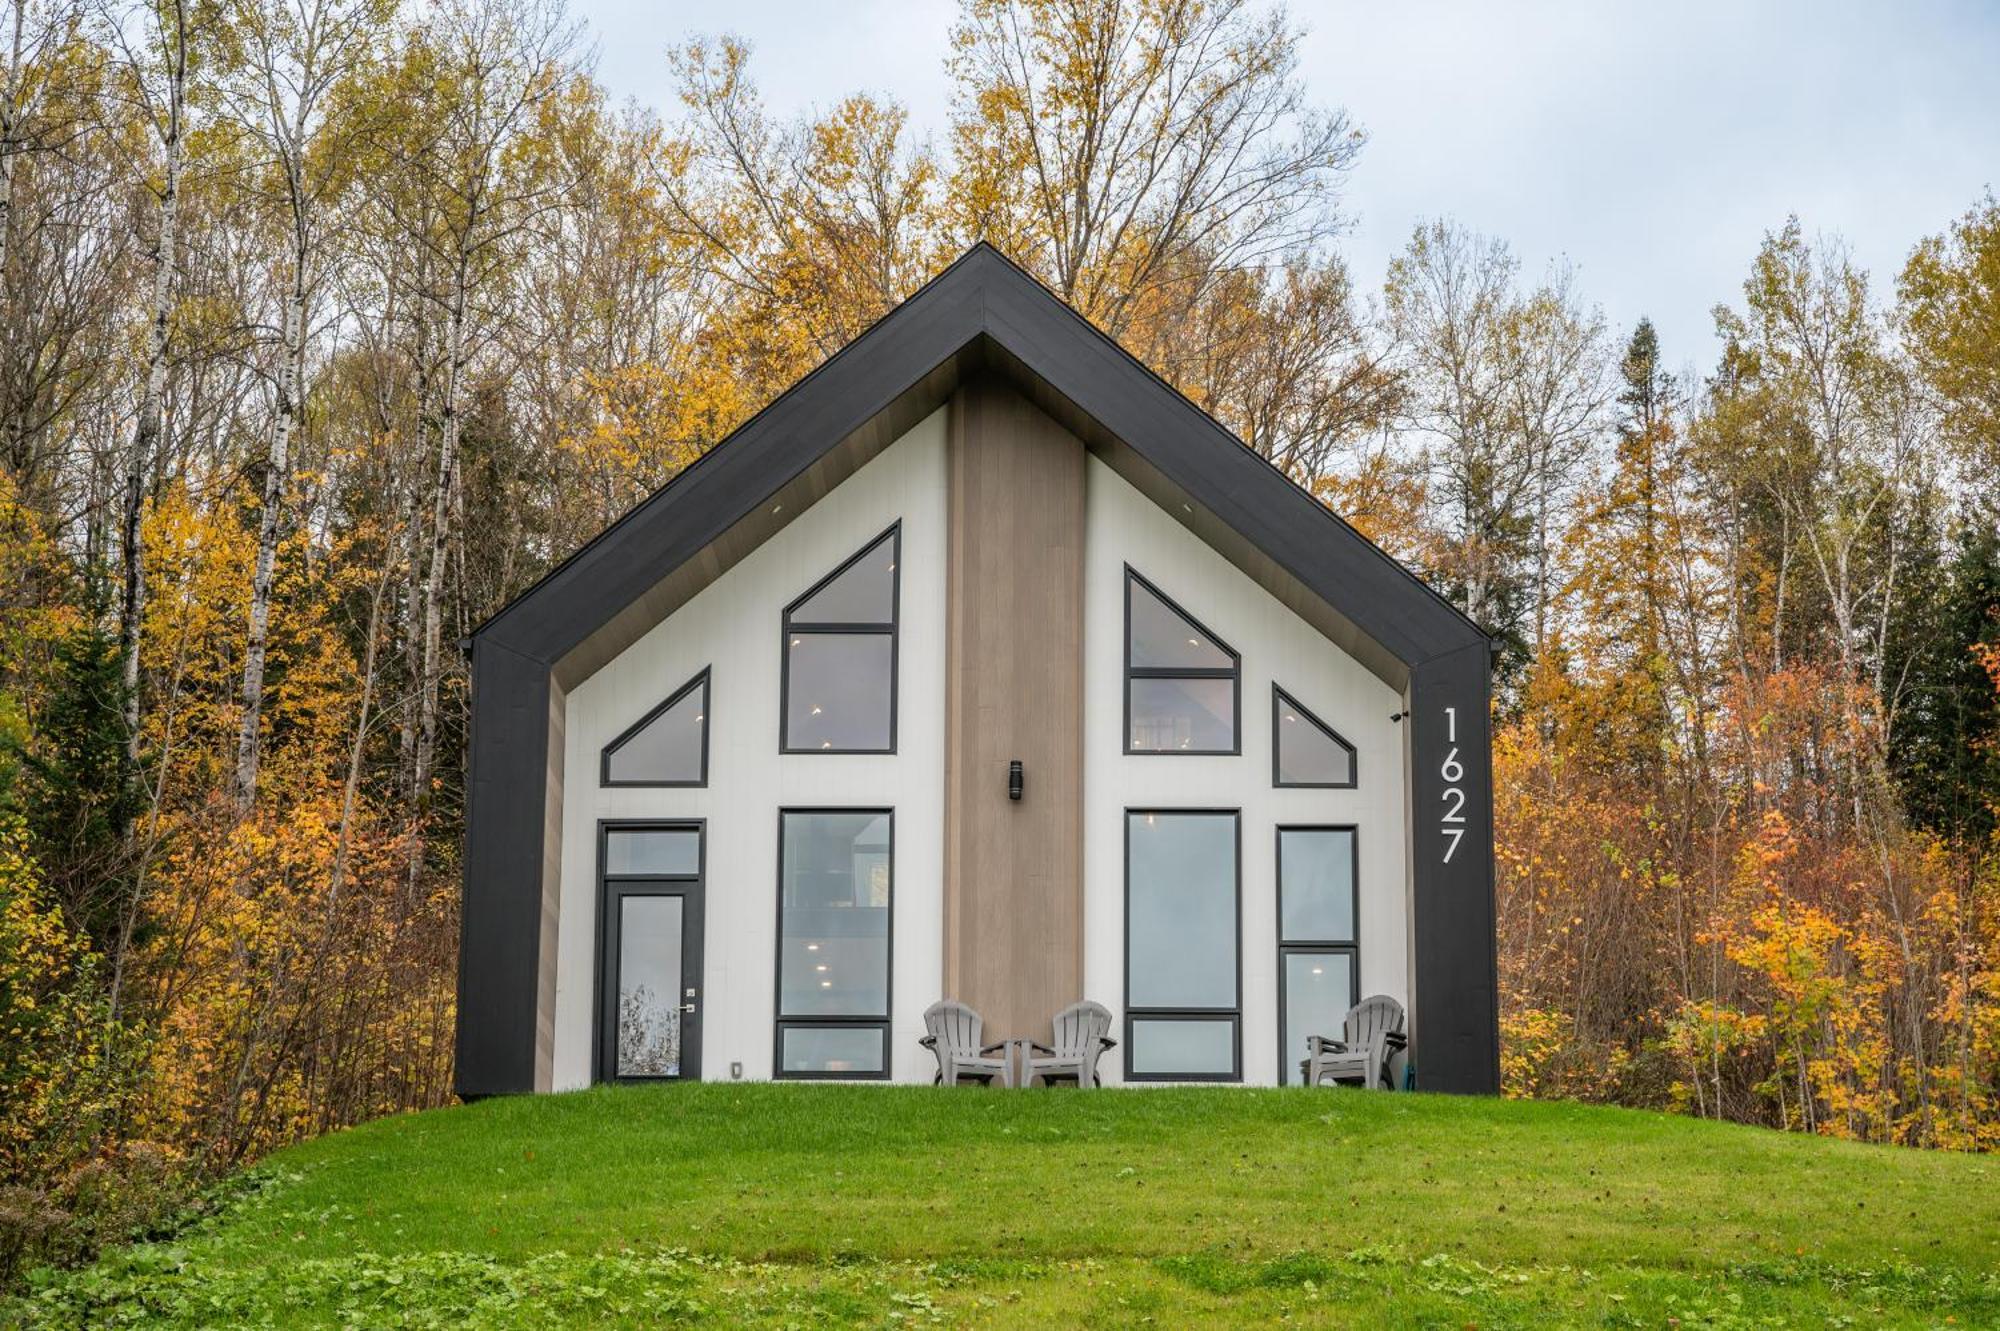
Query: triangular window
<point>863,591</point>
<point>1163,638</point>
<point>666,747</point>
<point>1306,751</point>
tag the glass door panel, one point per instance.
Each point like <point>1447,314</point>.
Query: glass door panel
<point>649,971</point>
<point>650,943</point>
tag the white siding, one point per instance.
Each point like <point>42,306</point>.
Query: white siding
<point>733,627</point>
<point>1124,527</point>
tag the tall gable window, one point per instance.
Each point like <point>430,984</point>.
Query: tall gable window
<point>1306,751</point>
<point>835,869</point>
<point>1183,933</point>
<point>1319,964</point>
<point>1182,683</point>
<point>668,746</point>
<point>840,657</point>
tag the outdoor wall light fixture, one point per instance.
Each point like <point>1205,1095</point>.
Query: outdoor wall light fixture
<point>1014,779</point>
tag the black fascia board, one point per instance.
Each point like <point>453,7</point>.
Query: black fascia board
<point>983,295</point>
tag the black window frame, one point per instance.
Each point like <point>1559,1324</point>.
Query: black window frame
<point>1282,698</point>
<point>1315,947</point>
<point>1233,1015</point>
<point>1234,674</point>
<point>780,1023</point>
<point>829,628</point>
<point>700,681</point>
<point>612,889</point>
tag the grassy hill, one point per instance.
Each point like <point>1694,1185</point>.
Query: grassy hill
<point>835,1205</point>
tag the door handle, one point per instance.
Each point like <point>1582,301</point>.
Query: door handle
<point>687,1007</point>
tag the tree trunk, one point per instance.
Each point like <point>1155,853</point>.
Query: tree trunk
<point>291,377</point>
<point>147,428</point>
<point>10,130</point>
<point>440,534</point>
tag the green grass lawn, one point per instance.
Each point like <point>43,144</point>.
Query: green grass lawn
<point>822,1205</point>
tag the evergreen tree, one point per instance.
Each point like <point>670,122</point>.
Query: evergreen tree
<point>1944,744</point>
<point>75,790</point>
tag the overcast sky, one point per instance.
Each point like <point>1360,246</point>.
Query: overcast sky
<point>1650,145</point>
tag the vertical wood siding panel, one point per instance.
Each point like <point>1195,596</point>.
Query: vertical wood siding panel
<point>1014,870</point>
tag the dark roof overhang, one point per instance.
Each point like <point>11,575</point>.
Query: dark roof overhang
<point>982,314</point>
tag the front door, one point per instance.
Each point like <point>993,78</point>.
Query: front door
<point>649,961</point>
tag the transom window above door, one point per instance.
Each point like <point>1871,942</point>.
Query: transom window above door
<point>840,657</point>
<point>1183,684</point>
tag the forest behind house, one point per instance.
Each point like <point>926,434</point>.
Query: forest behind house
<point>326,326</point>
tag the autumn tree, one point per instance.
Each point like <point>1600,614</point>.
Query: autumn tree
<point>1127,152</point>
<point>293,57</point>
<point>1950,314</point>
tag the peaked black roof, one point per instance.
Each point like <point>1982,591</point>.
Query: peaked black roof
<point>987,308</point>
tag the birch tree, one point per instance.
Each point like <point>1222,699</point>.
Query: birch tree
<point>1127,151</point>
<point>1557,376</point>
<point>36,32</point>
<point>157,48</point>
<point>478,75</point>
<point>295,55</point>
<point>1451,303</point>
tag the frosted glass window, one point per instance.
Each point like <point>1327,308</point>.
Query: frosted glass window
<point>668,747</point>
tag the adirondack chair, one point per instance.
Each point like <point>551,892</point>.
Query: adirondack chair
<point>954,1037</point>
<point>1079,1039</point>
<point>1372,1032</point>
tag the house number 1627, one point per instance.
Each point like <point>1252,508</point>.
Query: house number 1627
<point>1452,821</point>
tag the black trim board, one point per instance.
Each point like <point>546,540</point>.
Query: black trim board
<point>981,313</point>
<point>1454,1004</point>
